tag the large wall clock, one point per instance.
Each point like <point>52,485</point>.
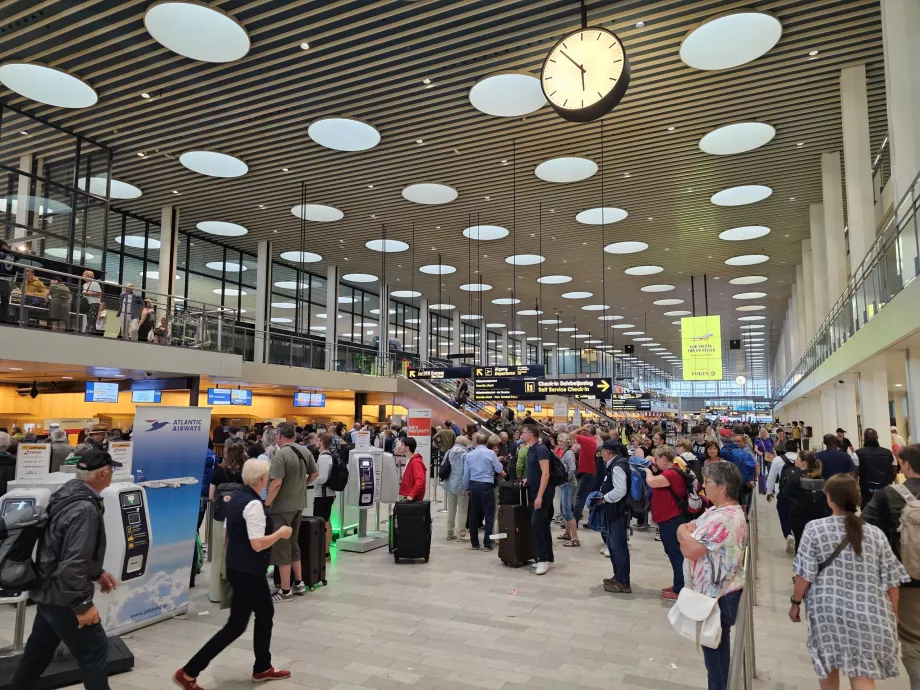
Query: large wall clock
<point>586,74</point>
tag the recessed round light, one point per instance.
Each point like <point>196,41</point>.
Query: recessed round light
<point>281,319</point>
<point>231,266</point>
<point>625,247</point>
<point>601,216</point>
<point>623,325</point>
<point>343,134</point>
<point>610,317</point>
<point>751,318</point>
<point>485,232</point>
<point>213,164</point>
<point>318,213</point>
<point>495,325</point>
<point>509,94</point>
<point>197,31</point>
<point>577,295</point>
<point>137,242</point>
<point>641,340</point>
<point>633,332</point>
<point>741,195</point>
<point>643,270</point>
<point>518,333</point>
<point>359,278</point>
<point>284,305</point>
<point>566,329</point>
<point>551,322</point>
<point>348,299</point>
<point>405,294</point>
<point>229,292</point>
<point>748,280</point>
<point>566,169</point>
<point>471,317</point>
<point>749,295</point>
<point>429,193</point>
<point>747,260</point>
<point>595,307</point>
<point>554,280</point>
<point>737,138</point>
<point>117,188</point>
<point>222,229</point>
<point>524,259</point>
<point>386,246</point>
<point>39,205</point>
<point>664,287</point>
<point>47,85</point>
<point>758,326</point>
<point>746,232</point>
<point>155,275</point>
<point>437,269</point>
<point>581,336</point>
<point>506,300</point>
<point>290,285</point>
<point>476,287</point>
<point>441,307</point>
<point>679,312</point>
<point>729,40</point>
<point>750,307</point>
<point>530,312</point>
<point>301,257</point>
<point>667,302</point>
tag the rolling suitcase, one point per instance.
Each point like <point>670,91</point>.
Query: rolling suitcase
<point>410,530</point>
<point>517,547</point>
<point>312,541</point>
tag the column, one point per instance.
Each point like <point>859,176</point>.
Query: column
<point>900,27</point>
<point>873,399</point>
<point>424,330</point>
<point>828,423</point>
<point>845,393</point>
<point>799,292</point>
<point>792,326</point>
<point>332,315</point>
<point>168,252</point>
<point>835,247</point>
<point>383,325</point>
<point>857,158</point>
<point>26,210</point>
<point>912,364</point>
<point>455,342</point>
<point>263,299</point>
<point>819,270</point>
<point>808,288</point>
<point>505,356</point>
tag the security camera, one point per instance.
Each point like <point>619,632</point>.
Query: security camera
<point>148,374</point>
<point>840,381</point>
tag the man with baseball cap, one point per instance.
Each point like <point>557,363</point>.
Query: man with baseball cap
<point>843,443</point>
<point>69,562</point>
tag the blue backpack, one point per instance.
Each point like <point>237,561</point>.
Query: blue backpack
<point>638,486</point>
<point>744,460</point>
<point>210,462</point>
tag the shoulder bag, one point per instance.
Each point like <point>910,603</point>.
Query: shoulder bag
<point>697,617</point>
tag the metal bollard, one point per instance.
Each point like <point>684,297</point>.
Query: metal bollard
<point>209,530</point>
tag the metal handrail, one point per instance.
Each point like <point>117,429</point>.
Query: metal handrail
<point>743,663</point>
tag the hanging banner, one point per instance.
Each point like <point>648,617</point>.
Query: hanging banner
<point>33,460</point>
<point>168,453</point>
<point>701,348</point>
<point>419,428</point>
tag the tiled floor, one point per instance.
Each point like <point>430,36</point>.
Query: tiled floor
<point>465,621</point>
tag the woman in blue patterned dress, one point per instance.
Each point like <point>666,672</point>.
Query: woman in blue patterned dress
<point>849,577</point>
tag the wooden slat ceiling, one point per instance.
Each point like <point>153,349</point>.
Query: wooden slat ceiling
<point>368,60</point>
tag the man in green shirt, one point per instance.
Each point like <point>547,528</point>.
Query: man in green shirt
<point>293,469</point>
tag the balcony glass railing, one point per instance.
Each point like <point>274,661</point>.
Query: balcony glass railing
<point>892,263</point>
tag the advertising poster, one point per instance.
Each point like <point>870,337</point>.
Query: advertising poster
<point>701,348</point>
<point>168,454</point>
<point>121,451</point>
<point>33,460</point>
<point>419,428</point>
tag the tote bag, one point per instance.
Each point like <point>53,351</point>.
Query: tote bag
<point>697,617</point>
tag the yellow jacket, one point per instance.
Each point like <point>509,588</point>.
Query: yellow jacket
<point>35,287</point>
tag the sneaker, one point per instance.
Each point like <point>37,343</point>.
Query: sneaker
<point>657,535</point>
<point>617,588</point>
<point>451,537</point>
<point>605,552</point>
<point>487,548</point>
<point>299,589</point>
<point>534,564</point>
<point>790,544</point>
<point>281,596</point>
<point>463,536</point>
<point>271,674</point>
<point>475,547</point>
<point>668,596</point>
<point>185,683</point>
<point>542,568</point>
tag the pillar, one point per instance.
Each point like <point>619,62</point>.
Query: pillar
<point>809,290</point>
<point>900,27</point>
<point>912,364</point>
<point>168,252</point>
<point>835,246</point>
<point>857,158</point>
<point>828,420</point>
<point>819,268</point>
<point>26,213</point>
<point>505,355</point>
<point>383,323</point>
<point>845,393</point>
<point>873,399</point>
<point>332,315</point>
<point>263,299</point>
<point>456,344</point>
<point>799,292</point>
<point>424,330</point>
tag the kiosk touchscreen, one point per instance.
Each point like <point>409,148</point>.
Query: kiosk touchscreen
<point>127,531</point>
<point>372,479</point>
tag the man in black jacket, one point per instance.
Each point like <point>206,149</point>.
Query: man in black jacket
<point>69,563</point>
<point>877,466</point>
<point>7,274</point>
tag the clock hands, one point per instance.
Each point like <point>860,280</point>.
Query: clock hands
<point>572,61</point>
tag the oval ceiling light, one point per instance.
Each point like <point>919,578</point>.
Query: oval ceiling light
<point>156,275</point>
<point>441,307</point>
<point>281,319</point>
<point>471,317</point>
<point>319,213</point>
<point>506,300</point>
<point>524,259</point>
<point>509,94</point>
<point>485,232</point>
<point>643,270</point>
<point>222,229</point>
<point>437,269</point>
<point>664,287</point>
<point>577,295</point>
<point>476,287</point>
<point>667,302</point>
<point>495,325</point>
<point>137,242</point>
<point>213,164</point>
<point>729,40</point>
<point>229,292</point>
<point>231,266</point>
<point>623,325</point>
<point>741,195</point>
<point>749,295</point>
<point>284,305</point>
<point>301,257</point>
<point>737,138</point>
<point>530,312</point>
<point>406,294</point>
<point>117,189</point>
<point>61,253</point>
<point>429,193</point>
<point>567,169</point>
<point>750,307</point>
<point>747,260</point>
<point>551,322</point>
<point>751,318</point>
<point>343,134</point>
<point>197,31</point>
<point>758,326</point>
<point>610,317</point>
<point>745,232</point>
<point>625,247</point>
<point>554,280</point>
<point>679,312</point>
<point>517,333</point>
<point>596,307</point>
<point>386,246</point>
<point>47,85</point>
<point>359,278</point>
<point>748,280</point>
<point>290,285</point>
<point>601,216</point>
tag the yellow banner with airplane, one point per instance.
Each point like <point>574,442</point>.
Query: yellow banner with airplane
<point>701,348</point>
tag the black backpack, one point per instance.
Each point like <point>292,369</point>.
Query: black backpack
<point>444,469</point>
<point>813,499</point>
<point>20,531</point>
<point>785,473</point>
<point>558,475</point>
<point>338,475</point>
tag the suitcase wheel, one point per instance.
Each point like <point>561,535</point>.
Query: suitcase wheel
<point>426,559</point>
<point>396,558</point>
<point>312,588</point>
<point>325,583</point>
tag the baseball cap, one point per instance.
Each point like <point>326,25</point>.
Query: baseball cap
<point>840,431</point>
<point>95,460</point>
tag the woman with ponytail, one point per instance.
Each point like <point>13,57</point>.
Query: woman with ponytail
<point>804,489</point>
<point>848,577</point>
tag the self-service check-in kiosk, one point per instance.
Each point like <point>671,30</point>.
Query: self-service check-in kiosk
<point>372,479</point>
<point>127,530</point>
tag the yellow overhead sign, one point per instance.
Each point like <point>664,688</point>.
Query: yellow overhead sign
<point>701,348</point>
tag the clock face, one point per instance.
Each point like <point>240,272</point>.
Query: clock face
<point>583,69</point>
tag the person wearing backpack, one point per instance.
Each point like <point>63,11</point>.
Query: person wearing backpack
<point>540,491</point>
<point>615,489</point>
<point>736,451</point>
<point>323,495</point>
<point>877,467</point>
<point>69,564</point>
<point>780,471</point>
<point>669,491</point>
<point>453,466</point>
<point>892,512</point>
<point>805,490</point>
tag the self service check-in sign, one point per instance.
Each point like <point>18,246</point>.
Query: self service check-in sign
<point>577,388</point>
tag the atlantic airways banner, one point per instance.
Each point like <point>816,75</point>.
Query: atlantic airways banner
<point>168,454</point>
<point>701,348</point>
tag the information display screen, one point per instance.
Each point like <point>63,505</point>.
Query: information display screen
<point>99,392</point>
<point>229,396</point>
<point>15,504</point>
<point>309,399</point>
<point>146,396</point>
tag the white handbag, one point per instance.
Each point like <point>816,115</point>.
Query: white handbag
<point>697,617</point>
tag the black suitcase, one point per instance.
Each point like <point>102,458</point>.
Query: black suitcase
<point>517,547</point>
<point>312,541</point>
<point>410,530</point>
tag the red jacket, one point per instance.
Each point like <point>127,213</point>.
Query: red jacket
<point>414,479</point>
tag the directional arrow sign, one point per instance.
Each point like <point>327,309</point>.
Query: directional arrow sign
<point>578,388</point>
